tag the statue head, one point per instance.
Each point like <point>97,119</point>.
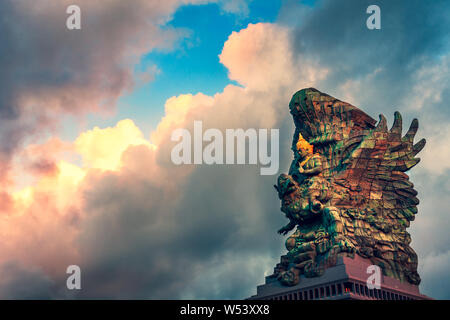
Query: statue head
<point>304,148</point>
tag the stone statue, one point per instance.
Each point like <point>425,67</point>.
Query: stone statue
<point>346,192</point>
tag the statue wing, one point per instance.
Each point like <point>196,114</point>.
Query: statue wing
<point>376,162</point>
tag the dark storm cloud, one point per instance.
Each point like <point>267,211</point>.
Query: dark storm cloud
<point>234,213</point>
<point>430,236</point>
<point>17,282</point>
<point>213,236</point>
<point>48,70</point>
<point>334,33</point>
<point>433,217</point>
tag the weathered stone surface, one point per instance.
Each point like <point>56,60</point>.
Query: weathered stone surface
<point>346,192</point>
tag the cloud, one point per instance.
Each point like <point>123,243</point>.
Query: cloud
<point>40,159</point>
<point>386,60</point>
<point>40,225</point>
<point>103,148</point>
<point>140,227</point>
<point>49,71</point>
<point>265,62</point>
<point>434,271</point>
<point>20,283</point>
<point>238,7</point>
<point>170,237</point>
<point>429,235</point>
<point>242,47</point>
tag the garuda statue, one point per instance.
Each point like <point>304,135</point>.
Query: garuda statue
<point>347,192</point>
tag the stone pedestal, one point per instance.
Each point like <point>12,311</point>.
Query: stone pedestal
<point>345,281</point>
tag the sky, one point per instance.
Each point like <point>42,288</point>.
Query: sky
<point>87,115</point>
